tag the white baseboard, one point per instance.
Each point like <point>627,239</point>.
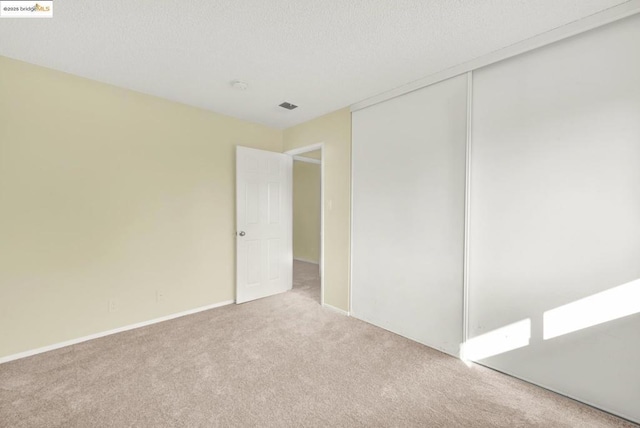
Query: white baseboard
<point>109,332</point>
<point>334,309</point>
<point>305,260</point>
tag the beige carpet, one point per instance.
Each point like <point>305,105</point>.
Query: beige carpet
<point>282,361</point>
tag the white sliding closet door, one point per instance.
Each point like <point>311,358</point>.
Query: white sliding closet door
<point>408,214</point>
<point>555,217</point>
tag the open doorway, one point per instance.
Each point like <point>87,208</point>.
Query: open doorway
<point>308,221</point>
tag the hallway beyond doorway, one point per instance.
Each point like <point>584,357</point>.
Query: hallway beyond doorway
<point>306,280</point>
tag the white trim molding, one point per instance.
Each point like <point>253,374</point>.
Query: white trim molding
<point>306,149</point>
<point>306,261</point>
<point>590,22</point>
<point>307,160</point>
<point>467,212</point>
<point>338,310</point>
<point>66,343</point>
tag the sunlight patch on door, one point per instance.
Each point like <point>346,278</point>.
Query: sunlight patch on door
<point>609,305</point>
<point>498,341</point>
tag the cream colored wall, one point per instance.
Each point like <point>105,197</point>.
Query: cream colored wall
<point>110,194</point>
<point>306,211</point>
<point>334,130</point>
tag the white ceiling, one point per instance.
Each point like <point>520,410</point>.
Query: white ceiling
<point>319,54</point>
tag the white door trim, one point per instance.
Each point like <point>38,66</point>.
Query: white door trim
<point>307,160</point>
<point>467,214</point>
<point>294,154</point>
<point>305,149</point>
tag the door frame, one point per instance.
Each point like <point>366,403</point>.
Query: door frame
<point>294,153</point>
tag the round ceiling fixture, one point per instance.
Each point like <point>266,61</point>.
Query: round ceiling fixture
<point>239,85</point>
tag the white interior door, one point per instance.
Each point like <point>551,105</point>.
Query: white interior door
<point>264,223</point>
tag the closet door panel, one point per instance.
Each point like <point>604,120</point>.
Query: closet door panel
<point>554,289</point>
<point>408,214</point>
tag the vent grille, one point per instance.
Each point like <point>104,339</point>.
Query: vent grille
<point>288,106</point>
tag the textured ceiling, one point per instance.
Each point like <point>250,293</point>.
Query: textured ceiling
<point>321,55</point>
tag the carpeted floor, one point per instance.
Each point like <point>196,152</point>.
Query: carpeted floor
<point>282,361</point>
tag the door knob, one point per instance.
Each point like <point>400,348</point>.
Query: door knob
<point>242,233</point>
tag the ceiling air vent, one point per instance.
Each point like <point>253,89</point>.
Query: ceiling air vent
<point>288,106</point>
